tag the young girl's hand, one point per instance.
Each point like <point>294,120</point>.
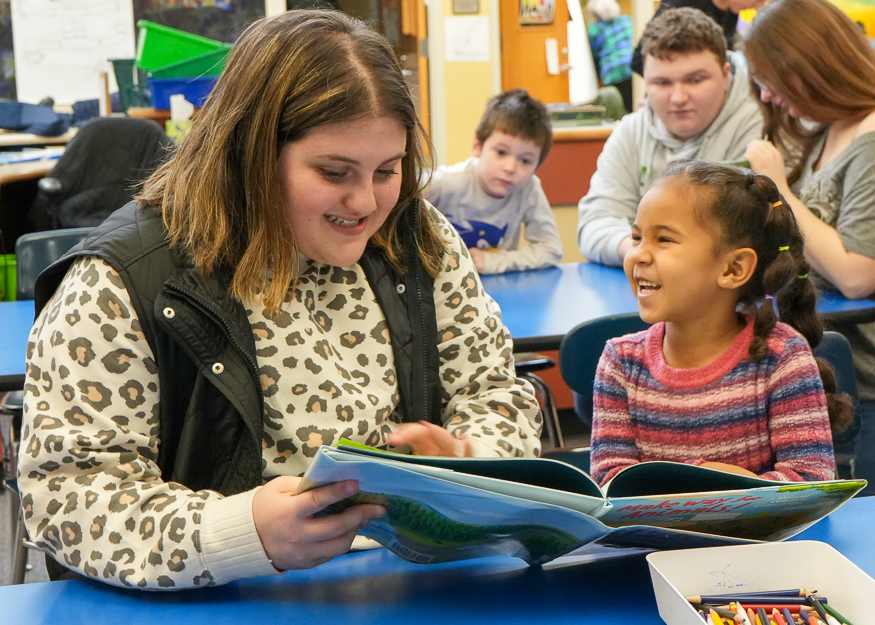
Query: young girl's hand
<point>292,537</point>
<point>479,258</point>
<point>728,468</point>
<point>765,159</point>
<point>427,439</point>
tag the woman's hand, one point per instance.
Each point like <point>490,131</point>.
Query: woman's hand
<point>765,159</point>
<point>728,468</point>
<point>479,258</point>
<point>427,439</point>
<point>292,537</point>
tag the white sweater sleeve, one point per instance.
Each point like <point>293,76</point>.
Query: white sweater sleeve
<point>606,213</point>
<point>544,247</point>
<point>91,488</point>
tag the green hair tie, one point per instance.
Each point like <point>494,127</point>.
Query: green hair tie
<point>803,276</point>
<point>784,248</point>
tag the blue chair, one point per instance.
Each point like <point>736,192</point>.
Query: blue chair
<point>836,350</point>
<point>580,351</point>
<point>34,252</point>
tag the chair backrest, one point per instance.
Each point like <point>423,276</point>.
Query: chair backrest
<point>581,349</point>
<point>836,350</point>
<point>37,250</point>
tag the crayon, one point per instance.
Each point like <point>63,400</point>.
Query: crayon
<point>762,616</point>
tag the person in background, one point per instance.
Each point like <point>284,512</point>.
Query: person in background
<point>277,287</point>
<point>724,12</point>
<point>814,73</point>
<point>610,40</point>
<point>492,196</point>
<point>699,106</point>
<point>717,381</point>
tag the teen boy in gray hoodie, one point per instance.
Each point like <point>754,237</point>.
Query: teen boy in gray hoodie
<point>699,106</point>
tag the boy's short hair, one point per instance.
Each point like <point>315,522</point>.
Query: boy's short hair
<point>683,31</point>
<point>517,113</point>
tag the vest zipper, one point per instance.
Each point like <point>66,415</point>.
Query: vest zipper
<point>253,366</point>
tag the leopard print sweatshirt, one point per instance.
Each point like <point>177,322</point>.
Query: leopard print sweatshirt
<point>92,492</point>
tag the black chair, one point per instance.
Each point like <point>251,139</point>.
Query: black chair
<point>836,350</point>
<point>98,172</point>
<point>527,363</point>
<point>580,351</point>
<point>34,252</point>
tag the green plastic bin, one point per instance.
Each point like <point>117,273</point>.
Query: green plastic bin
<point>159,45</point>
<point>209,64</point>
<point>8,278</point>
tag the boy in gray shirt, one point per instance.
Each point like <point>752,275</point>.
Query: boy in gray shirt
<point>492,195</point>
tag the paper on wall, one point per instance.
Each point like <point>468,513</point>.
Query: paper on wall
<point>466,38</point>
<point>583,84</point>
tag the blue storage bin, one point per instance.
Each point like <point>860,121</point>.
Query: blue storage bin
<point>195,89</point>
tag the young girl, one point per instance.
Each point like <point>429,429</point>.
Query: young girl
<point>716,381</point>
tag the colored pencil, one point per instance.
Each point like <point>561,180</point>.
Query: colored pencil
<point>776,616</point>
<point>768,606</point>
<point>757,600</point>
<point>752,617</point>
<point>835,613</point>
<point>762,616</point>
<point>808,619</point>
<point>792,592</point>
<point>740,611</point>
<point>817,603</point>
<point>788,617</point>
<point>729,615</point>
<point>715,618</point>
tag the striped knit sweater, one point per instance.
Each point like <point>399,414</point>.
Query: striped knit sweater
<point>769,416</point>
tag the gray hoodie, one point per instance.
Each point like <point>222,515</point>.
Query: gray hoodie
<point>640,148</point>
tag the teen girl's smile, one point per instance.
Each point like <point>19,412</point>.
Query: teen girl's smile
<point>339,184</point>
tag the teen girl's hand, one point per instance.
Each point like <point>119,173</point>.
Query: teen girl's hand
<point>765,159</point>
<point>292,537</point>
<point>728,468</point>
<point>479,258</point>
<point>428,439</point>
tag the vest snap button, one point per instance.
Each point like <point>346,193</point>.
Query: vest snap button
<point>169,313</point>
<point>218,368</point>
<point>400,288</point>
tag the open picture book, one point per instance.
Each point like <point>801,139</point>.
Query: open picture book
<point>537,509</point>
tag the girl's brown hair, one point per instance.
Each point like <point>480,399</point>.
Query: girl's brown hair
<point>817,58</point>
<point>220,193</point>
<point>748,211</point>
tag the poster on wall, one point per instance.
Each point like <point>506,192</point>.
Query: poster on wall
<point>62,46</point>
<point>537,11</point>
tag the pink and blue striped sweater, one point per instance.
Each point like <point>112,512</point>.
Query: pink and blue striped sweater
<point>769,416</point>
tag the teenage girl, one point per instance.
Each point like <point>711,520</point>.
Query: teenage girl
<point>813,71</point>
<point>716,381</point>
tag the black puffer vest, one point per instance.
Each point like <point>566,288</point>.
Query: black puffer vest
<point>211,403</point>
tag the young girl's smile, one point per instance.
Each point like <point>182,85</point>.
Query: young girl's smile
<point>676,265</point>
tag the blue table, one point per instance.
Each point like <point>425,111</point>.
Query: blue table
<point>376,587</point>
<point>16,320</point>
<point>540,307</point>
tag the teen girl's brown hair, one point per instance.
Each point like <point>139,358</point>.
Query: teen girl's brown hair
<point>748,211</point>
<point>815,57</point>
<point>682,31</point>
<point>220,193</point>
<point>516,113</point>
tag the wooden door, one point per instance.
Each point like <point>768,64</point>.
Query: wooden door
<point>524,52</point>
